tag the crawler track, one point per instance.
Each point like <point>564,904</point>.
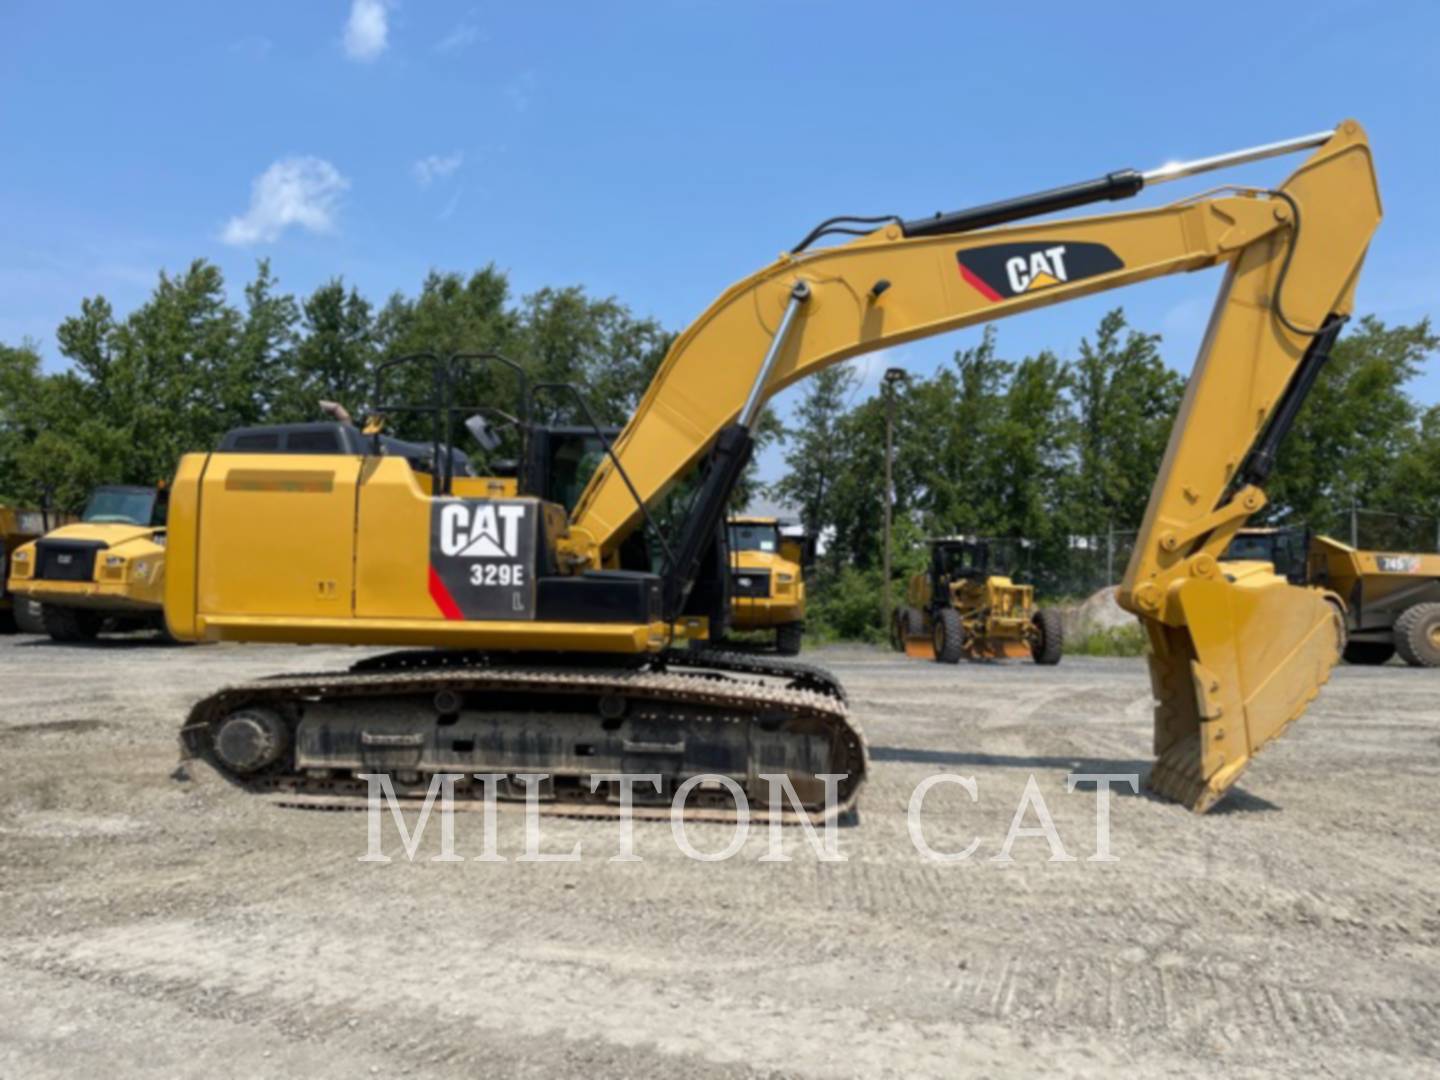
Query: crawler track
<point>418,712</point>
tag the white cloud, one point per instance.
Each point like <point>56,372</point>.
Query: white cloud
<point>462,37</point>
<point>435,167</point>
<point>367,30</point>
<point>301,191</point>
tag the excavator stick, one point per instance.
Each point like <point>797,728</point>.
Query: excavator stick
<point>1236,657</point>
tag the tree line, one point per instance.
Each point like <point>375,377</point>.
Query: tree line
<point>188,365</point>
<point>1056,449</point>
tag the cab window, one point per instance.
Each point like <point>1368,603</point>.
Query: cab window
<point>764,538</point>
<point>124,506</point>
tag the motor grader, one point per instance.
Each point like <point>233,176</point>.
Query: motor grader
<point>965,605</point>
<point>1391,600</point>
<point>549,649</point>
<point>104,572</point>
<point>767,581</point>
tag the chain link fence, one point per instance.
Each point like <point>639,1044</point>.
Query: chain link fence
<point>1086,564</point>
<point>1083,565</point>
<point>1381,530</point>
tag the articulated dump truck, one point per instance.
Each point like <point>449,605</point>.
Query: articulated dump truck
<point>104,572</point>
<point>767,581</point>
<point>1390,600</point>
<point>555,641</point>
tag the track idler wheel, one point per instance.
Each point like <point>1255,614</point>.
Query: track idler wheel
<point>251,739</point>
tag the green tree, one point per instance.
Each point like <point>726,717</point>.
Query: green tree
<point>334,359</point>
<point>814,456</point>
<point>1357,437</point>
<point>1123,400</point>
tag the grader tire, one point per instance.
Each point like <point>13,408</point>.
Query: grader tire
<point>906,623</point>
<point>949,637</point>
<point>1417,635</point>
<point>1050,642</point>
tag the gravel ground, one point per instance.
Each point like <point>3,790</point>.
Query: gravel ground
<point>168,927</point>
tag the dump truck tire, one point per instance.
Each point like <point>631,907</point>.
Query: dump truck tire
<point>949,637</point>
<point>69,625</point>
<point>1051,640</point>
<point>29,616</point>
<point>1368,652</point>
<point>1417,635</point>
<point>788,639</point>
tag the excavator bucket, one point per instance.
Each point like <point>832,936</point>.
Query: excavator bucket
<point>1249,656</point>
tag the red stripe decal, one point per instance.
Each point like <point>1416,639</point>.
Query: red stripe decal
<point>974,281</point>
<point>443,600</point>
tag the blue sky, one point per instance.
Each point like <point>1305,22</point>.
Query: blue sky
<point>659,151</point>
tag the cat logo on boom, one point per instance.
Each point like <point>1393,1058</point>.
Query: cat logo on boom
<point>1003,271</point>
<point>1042,268</point>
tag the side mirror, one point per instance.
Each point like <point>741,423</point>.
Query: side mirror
<point>481,432</point>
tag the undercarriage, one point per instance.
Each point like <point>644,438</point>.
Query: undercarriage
<point>565,730</point>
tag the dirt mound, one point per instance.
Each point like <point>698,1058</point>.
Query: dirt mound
<point>1099,612</point>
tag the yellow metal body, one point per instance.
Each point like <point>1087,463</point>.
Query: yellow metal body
<point>997,615</point>
<point>17,529</point>
<point>1371,578</point>
<point>781,568</point>
<point>321,548</point>
<point>332,549</point>
<point>129,575</point>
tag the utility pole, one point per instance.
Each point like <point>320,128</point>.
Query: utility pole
<point>893,377</point>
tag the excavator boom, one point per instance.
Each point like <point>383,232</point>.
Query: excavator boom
<point>1231,665</point>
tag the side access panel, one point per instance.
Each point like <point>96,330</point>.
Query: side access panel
<point>277,535</point>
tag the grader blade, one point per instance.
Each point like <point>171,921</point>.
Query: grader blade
<point>921,648</point>
<point>1246,660</point>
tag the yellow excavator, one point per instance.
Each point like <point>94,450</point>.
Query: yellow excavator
<point>546,641</point>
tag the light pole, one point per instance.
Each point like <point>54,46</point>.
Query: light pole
<point>893,377</point>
